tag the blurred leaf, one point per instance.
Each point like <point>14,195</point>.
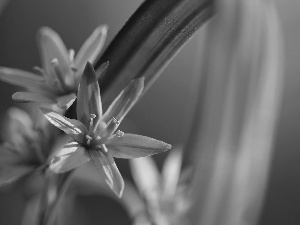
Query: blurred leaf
<point>149,40</point>
<point>87,180</point>
<point>235,124</point>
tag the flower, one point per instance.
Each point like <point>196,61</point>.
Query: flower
<point>164,196</point>
<point>94,134</point>
<point>61,71</point>
<point>26,147</point>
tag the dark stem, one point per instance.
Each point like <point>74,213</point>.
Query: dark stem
<point>149,40</point>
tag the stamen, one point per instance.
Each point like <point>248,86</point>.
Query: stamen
<point>89,138</point>
<point>58,72</point>
<point>71,55</point>
<point>104,148</point>
<point>112,126</point>
<point>115,121</point>
<point>39,70</point>
<point>91,127</point>
<point>119,133</point>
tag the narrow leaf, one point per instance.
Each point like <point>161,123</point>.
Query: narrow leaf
<point>149,40</point>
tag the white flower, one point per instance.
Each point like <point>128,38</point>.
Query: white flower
<point>60,70</point>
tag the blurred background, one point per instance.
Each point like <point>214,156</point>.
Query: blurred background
<point>160,113</point>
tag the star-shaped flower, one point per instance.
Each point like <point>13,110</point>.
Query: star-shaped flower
<point>61,71</point>
<point>164,196</point>
<point>26,148</point>
<point>94,134</point>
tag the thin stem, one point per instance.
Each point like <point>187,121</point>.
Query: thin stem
<point>62,183</point>
<point>44,201</point>
<point>54,189</point>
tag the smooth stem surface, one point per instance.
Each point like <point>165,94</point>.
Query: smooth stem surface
<point>54,189</point>
<point>43,202</point>
<point>149,40</point>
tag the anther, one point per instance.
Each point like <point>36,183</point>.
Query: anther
<point>92,117</point>
<point>119,133</point>
<point>104,148</point>
<point>115,121</point>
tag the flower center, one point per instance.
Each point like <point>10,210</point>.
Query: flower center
<point>97,136</point>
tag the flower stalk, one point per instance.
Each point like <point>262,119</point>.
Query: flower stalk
<point>54,189</point>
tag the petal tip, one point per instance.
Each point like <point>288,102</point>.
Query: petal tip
<point>103,29</point>
<point>45,32</point>
<point>89,73</point>
<point>18,98</point>
<point>168,147</point>
<point>119,193</point>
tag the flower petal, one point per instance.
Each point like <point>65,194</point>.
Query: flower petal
<point>112,175</point>
<point>21,78</point>
<point>69,157</point>
<point>64,102</point>
<point>11,174</point>
<point>52,47</point>
<point>171,171</point>
<point>74,128</point>
<point>88,97</point>
<point>91,48</point>
<point>125,100</point>
<point>135,146</point>
<point>102,70</point>
<point>19,127</point>
<point>32,97</point>
<point>8,155</point>
<point>146,177</point>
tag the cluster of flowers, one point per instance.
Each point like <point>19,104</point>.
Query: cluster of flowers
<point>93,136</point>
<point>35,146</point>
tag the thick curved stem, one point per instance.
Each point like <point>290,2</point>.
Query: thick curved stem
<point>149,40</point>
